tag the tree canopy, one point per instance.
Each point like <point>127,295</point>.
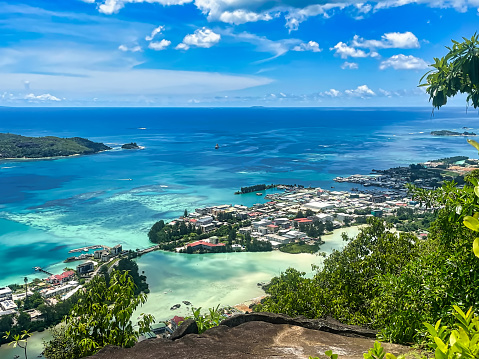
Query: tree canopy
<point>456,72</point>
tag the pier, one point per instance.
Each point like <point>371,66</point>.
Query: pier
<point>86,249</point>
<point>40,269</point>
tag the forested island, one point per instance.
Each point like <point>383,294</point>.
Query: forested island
<point>451,133</point>
<point>130,146</point>
<point>17,146</point>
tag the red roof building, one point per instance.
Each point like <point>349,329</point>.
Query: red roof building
<point>61,278</point>
<point>303,220</point>
<point>206,246</point>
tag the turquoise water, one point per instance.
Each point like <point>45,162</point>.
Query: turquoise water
<point>48,207</point>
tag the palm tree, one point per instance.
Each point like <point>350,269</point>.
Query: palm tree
<point>25,280</point>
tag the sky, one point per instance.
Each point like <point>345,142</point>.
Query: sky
<point>225,52</point>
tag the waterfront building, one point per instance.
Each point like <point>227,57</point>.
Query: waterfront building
<point>202,245</point>
<point>61,278</point>
<point>86,267</point>
<point>116,250</point>
<point>5,294</point>
<point>213,240</point>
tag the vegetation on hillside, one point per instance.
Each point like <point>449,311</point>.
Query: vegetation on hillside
<point>101,316</point>
<point>16,146</point>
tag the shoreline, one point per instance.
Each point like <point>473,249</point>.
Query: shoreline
<point>28,159</point>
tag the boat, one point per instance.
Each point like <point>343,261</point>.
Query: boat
<point>185,302</point>
<point>217,146</point>
<point>259,194</point>
<point>176,306</point>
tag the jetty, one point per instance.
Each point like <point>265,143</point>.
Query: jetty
<point>40,269</point>
<point>87,248</point>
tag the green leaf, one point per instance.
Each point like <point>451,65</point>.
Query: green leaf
<point>328,353</point>
<point>475,247</point>
<point>440,345</point>
<point>476,191</point>
<point>473,143</point>
<point>471,223</point>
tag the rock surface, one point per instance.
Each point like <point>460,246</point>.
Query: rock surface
<point>247,337</point>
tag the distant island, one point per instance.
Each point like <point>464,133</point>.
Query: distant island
<point>17,146</point>
<point>451,133</point>
<point>130,146</point>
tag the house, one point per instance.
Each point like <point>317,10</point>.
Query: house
<point>175,322</point>
<point>86,267</point>
<point>5,294</point>
<point>205,228</point>
<point>61,278</point>
<point>213,240</point>
<point>377,212</point>
<point>272,228</point>
<point>324,217</point>
<point>202,245</point>
<point>204,220</point>
<point>236,247</point>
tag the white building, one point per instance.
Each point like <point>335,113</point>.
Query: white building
<point>324,217</point>
<point>5,294</point>
<point>319,206</point>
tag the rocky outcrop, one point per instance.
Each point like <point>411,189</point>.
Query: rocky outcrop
<point>256,335</point>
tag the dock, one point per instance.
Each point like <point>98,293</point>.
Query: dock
<point>40,269</point>
<point>86,249</point>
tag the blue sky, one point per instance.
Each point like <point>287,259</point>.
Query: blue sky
<point>224,52</point>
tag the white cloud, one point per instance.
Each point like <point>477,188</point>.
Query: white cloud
<point>125,48</point>
<point>182,46</point>
<point>295,16</point>
<point>294,11</point>
<point>263,44</point>
<point>333,93</point>
<point>238,17</point>
<point>362,91</point>
<point>349,66</point>
<point>345,51</point>
<point>113,6</point>
<point>403,62</point>
<point>391,40</point>
<point>155,32</point>
<point>44,97</point>
<point>309,46</point>
<point>159,45</point>
<point>203,37</point>
<point>89,1</point>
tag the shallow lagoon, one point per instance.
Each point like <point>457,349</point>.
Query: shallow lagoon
<point>206,280</point>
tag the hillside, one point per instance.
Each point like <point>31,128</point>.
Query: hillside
<point>16,146</point>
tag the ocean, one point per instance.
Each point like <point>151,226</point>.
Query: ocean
<point>48,207</point>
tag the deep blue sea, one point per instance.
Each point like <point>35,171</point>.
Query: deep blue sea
<point>50,206</point>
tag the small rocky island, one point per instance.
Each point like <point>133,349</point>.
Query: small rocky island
<point>130,146</point>
<point>451,133</point>
<point>16,146</point>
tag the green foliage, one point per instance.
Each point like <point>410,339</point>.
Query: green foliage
<point>102,316</point>
<point>131,267</point>
<point>32,301</point>
<point>15,146</point>
<point>457,72</point>
<point>463,341</point>
<point>61,346</point>
<point>206,321</point>
<point>296,248</point>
